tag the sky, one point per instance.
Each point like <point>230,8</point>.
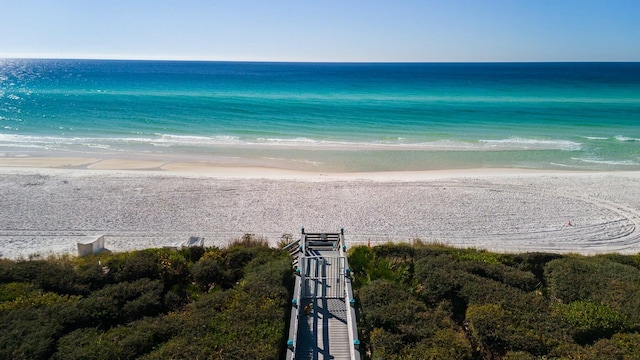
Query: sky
<point>323,30</point>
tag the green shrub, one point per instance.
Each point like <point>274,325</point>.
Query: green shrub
<point>477,290</point>
<point>390,308</point>
<point>445,344</point>
<point>135,265</point>
<point>490,326</point>
<point>568,351</point>
<point>518,355</point>
<point>507,275</point>
<point>271,280</point>
<point>36,300</point>
<point>478,256</point>
<point>261,323</point>
<point>385,344</point>
<point>628,344</point>
<point>499,328</point>
<point>360,258</point>
<point>438,278</point>
<point>49,275</point>
<point>14,290</point>
<point>208,273</point>
<point>123,302</point>
<point>235,259</point>
<point>604,349</point>
<point>534,263</point>
<point>267,256</point>
<point>123,342</point>
<point>590,322</point>
<point>84,343</point>
<point>173,269</point>
<point>122,312</point>
<point>180,347</point>
<point>597,280</point>
<point>5,271</point>
<point>403,252</point>
<point>91,276</point>
<point>381,293</point>
<point>606,281</point>
<point>193,253</point>
<point>366,265</point>
<point>27,334</point>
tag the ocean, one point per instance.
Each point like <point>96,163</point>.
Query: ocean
<point>333,117</point>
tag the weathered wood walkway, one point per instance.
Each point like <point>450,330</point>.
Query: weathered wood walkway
<point>323,321</point>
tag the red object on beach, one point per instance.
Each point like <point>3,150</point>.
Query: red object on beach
<point>369,242</point>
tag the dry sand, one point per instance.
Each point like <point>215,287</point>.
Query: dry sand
<point>47,205</point>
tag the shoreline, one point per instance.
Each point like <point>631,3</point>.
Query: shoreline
<point>139,204</point>
<point>111,166</point>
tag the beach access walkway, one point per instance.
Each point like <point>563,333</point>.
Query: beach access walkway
<point>323,317</point>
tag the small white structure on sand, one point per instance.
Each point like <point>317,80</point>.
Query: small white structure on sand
<point>194,241</point>
<point>91,245</point>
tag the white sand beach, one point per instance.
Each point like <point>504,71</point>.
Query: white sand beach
<point>48,204</point>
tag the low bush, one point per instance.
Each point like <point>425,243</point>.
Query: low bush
<point>508,306</point>
<point>123,342</point>
<point>148,304</point>
<point>12,291</point>
<point>208,273</point>
<point>123,302</point>
<point>414,302</point>
<point>133,266</point>
<point>589,322</point>
<point>599,281</point>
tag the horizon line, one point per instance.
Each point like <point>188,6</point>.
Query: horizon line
<point>177,59</point>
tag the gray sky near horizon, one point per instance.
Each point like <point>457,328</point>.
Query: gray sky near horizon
<point>316,30</point>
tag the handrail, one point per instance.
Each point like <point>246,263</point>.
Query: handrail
<point>347,293</point>
<point>292,341</point>
<point>352,325</point>
<point>291,245</point>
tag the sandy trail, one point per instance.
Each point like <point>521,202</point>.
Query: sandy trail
<point>46,211</point>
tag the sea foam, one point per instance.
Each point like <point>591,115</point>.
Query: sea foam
<point>607,162</point>
<point>626,138</point>
<point>533,144</point>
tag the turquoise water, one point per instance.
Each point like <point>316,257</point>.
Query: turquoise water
<point>328,117</point>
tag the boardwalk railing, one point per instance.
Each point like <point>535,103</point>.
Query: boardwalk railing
<point>295,319</point>
<point>323,280</point>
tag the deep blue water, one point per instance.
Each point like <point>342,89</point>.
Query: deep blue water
<point>340,117</point>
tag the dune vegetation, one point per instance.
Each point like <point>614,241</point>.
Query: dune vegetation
<point>438,302</point>
<point>230,303</point>
<point>420,301</point>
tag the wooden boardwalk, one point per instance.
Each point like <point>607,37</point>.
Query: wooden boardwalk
<point>323,322</point>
